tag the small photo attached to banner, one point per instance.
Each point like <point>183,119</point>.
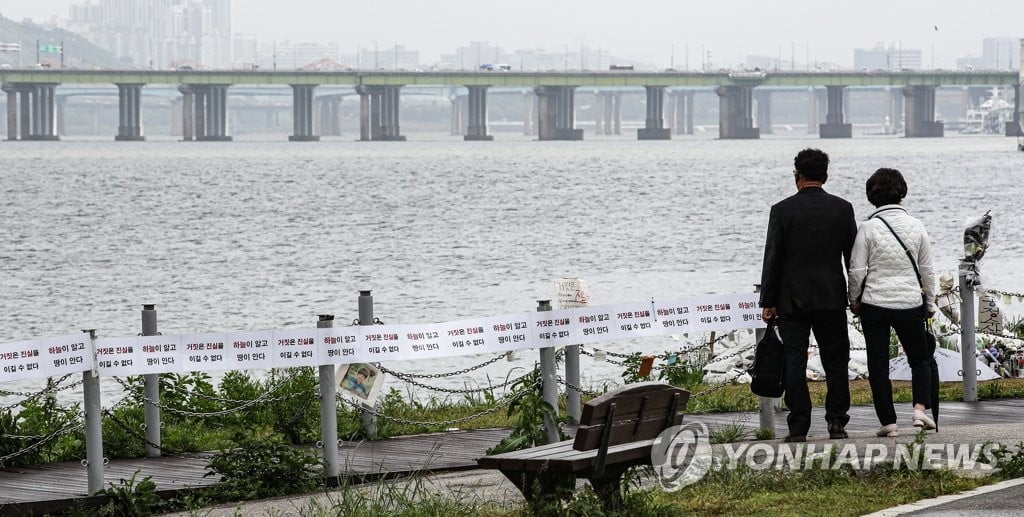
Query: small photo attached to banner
<point>360,382</point>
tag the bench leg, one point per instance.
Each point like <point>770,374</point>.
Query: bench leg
<point>609,489</point>
<point>542,490</point>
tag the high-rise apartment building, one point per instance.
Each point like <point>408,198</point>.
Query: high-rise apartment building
<point>158,33</point>
<point>887,57</point>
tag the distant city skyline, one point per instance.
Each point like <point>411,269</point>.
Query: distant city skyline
<point>659,32</point>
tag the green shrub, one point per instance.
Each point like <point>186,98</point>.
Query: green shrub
<point>527,411</point>
<point>261,465</point>
<point>129,498</point>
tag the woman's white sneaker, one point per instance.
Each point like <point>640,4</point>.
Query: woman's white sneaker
<point>888,431</point>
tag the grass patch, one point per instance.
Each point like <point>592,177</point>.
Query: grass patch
<point>816,492</point>
<point>730,433</point>
<point>742,491</point>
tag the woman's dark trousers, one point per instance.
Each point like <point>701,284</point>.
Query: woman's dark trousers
<point>909,325</point>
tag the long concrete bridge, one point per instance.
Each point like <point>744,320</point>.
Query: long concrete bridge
<point>744,98</point>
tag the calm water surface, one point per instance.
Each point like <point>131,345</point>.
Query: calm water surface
<point>268,234</point>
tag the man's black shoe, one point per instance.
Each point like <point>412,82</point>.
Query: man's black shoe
<point>791,439</point>
<point>837,432</point>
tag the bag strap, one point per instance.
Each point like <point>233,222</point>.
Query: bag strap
<point>905,250</point>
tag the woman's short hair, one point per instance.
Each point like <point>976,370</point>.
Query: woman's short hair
<point>886,187</point>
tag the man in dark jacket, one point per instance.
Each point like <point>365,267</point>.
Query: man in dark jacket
<point>803,287</point>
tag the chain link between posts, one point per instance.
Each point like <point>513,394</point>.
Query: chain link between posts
<point>29,396</point>
<point>70,427</point>
<point>1005,294</point>
<point>451,390</point>
<point>500,404</point>
<point>447,374</point>
<point>262,398</point>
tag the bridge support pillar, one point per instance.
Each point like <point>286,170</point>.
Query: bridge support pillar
<point>129,111</point>
<point>330,115</point>
<point>920,112</point>
<point>205,112</point>
<point>529,113</point>
<point>672,113</point>
<point>365,121</point>
<point>681,120</point>
<point>617,113</point>
<point>455,125</point>
<point>216,113</point>
<point>1013,127</point>
<point>895,108</point>
<point>463,114</point>
<point>12,110</point>
<point>476,126</point>
<point>835,125</point>
<point>763,100</point>
<point>556,115</point>
<point>813,118</point>
<point>689,112</point>
<point>612,112</point>
<point>38,120</point>
<point>187,113</point>
<point>381,113</point>
<point>175,119</point>
<point>302,113</point>
<point>62,106</point>
<point>735,104</point>
<point>599,113</point>
<point>25,116</point>
<point>654,125</point>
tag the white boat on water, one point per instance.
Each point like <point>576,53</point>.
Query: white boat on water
<point>990,117</point>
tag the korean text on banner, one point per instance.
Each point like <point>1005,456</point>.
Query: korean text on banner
<point>66,354</point>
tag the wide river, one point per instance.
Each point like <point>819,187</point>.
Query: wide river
<point>269,234</point>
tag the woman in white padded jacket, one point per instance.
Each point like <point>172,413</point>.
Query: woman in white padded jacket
<point>887,293</point>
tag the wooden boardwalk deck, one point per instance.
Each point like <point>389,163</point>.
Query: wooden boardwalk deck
<point>50,487</point>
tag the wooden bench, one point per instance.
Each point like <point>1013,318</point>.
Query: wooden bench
<point>616,432</point>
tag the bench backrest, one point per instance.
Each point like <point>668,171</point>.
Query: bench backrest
<point>634,412</point>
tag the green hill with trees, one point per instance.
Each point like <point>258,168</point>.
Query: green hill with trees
<point>78,52</point>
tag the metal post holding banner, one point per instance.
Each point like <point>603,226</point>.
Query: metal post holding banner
<point>93,423</point>
<point>573,402</point>
<point>328,411</point>
<point>366,318</point>
<point>975,245</point>
<point>572,293</point>
<point>549,378</point>
<point>968,345</point>
<point>767,404</point>
<point>151,389</point>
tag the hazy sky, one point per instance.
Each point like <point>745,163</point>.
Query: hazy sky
<point>731,29</point>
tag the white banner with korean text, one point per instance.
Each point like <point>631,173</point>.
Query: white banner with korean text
<point>261,349</point>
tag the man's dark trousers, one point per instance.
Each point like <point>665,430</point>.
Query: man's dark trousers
<point>831,333</point>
